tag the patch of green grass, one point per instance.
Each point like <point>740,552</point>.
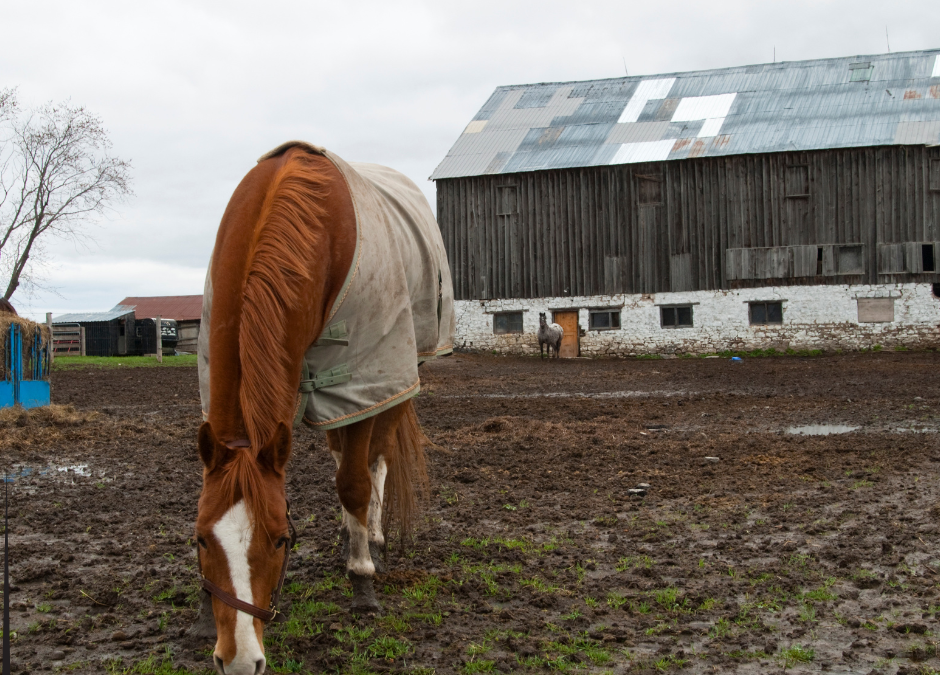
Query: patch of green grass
<point>722,628</point>
<point>540,585</point>
<point>635,562</point>
<point>669,662</point>
<point>615,600</point>
<point>861,484</point>
<point>101,362</point>
<point>387,647</point>
<point>286,666</point>
<point>796,654</point>
<point>435,619</point>
<point>822,594</point>
<point>668,598</point>
<point>807,613</point>
<point>473,667</point>
<point>707,604</point>
<point>478,649</point>
<point>394,623</point>
<point>744,654</point>
<point>150,666</point>
<point>423,593</point>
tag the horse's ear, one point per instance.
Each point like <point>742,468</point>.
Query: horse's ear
<point>210,450</point>
<point>277,451</point>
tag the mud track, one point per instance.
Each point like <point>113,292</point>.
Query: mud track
<point>783,551</point>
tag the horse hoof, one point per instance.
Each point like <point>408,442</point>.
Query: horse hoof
<point>375,551</point>
<point>364,600</point>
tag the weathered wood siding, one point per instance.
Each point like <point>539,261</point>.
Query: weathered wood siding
<point>671,226</point>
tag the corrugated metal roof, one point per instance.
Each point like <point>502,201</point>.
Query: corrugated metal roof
<point>773,107</point>
<point>83,317</point>
<point>176,307</point>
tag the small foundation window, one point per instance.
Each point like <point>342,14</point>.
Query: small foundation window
<point>676,317</point>
<point>605,319</point>
<point>507,322</point>
<point>926,251</point>
<point>819,261</point>
<point>763,313</point>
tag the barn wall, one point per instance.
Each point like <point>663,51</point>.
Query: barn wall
<point>821,317</point>
<point>698,224</point>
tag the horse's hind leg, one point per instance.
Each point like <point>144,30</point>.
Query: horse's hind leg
<point>354,487</point>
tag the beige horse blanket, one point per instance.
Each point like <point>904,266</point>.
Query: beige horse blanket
<point>396,308</point>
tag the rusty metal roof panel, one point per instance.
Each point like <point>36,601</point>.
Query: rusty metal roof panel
<point>882,99</point>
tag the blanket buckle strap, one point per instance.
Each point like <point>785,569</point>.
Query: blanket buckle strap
<point>324,378</point>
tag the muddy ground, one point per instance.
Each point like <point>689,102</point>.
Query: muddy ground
<point>783,551</point>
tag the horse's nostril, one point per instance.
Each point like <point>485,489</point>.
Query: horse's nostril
<point>259,666</point>
<point>219,665</point>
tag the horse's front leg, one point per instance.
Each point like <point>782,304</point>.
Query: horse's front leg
<point>350,447</point>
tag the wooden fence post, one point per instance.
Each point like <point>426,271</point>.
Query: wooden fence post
<point>159,321</point>
<point>81,339</point>
<point>51,340</point>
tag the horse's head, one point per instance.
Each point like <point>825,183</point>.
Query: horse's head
<point>244,537</point>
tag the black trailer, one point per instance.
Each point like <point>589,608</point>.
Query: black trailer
<point>145,339</point>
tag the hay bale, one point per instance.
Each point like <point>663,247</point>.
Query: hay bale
<point>28,329</point>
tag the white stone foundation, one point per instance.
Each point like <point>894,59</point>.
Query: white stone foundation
<point>814,317</point>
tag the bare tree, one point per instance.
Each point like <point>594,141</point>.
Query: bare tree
<point>56,177</point>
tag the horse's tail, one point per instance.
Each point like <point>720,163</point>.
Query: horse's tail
<point>406,484</point>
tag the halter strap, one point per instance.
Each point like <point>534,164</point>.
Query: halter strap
<point>266,615</point>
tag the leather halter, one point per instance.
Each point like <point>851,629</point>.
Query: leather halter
<point>266,615</point>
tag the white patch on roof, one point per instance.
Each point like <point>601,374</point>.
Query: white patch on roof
<point>650,151</point>
<point>475,127</point>
<point>936,67</point>
<point>645,91</point>
<point>693,108</point>
<point>711,127</point>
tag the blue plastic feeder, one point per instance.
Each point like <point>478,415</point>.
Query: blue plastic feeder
<point>26,374</point>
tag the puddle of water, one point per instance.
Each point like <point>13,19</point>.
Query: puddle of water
<point>564,394</point>
<point>821,429</point>
<point>24,471</point>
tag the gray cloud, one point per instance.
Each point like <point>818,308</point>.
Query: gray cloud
<point>192,93</point>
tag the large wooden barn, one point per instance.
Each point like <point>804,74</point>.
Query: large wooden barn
<point>787,205</point>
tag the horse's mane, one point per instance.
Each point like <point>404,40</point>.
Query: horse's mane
<point>285,246</point>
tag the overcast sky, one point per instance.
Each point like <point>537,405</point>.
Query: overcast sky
<point>193,92</point>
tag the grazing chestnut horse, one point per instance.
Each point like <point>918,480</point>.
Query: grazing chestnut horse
<point>328,281</point>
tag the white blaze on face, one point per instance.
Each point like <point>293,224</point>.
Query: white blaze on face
<point>234,530</point>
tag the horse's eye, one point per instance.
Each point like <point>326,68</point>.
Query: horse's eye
<point>202,542</point>
<point>283,541</point>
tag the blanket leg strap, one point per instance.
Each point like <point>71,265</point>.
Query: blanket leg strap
<point>325,378</point>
